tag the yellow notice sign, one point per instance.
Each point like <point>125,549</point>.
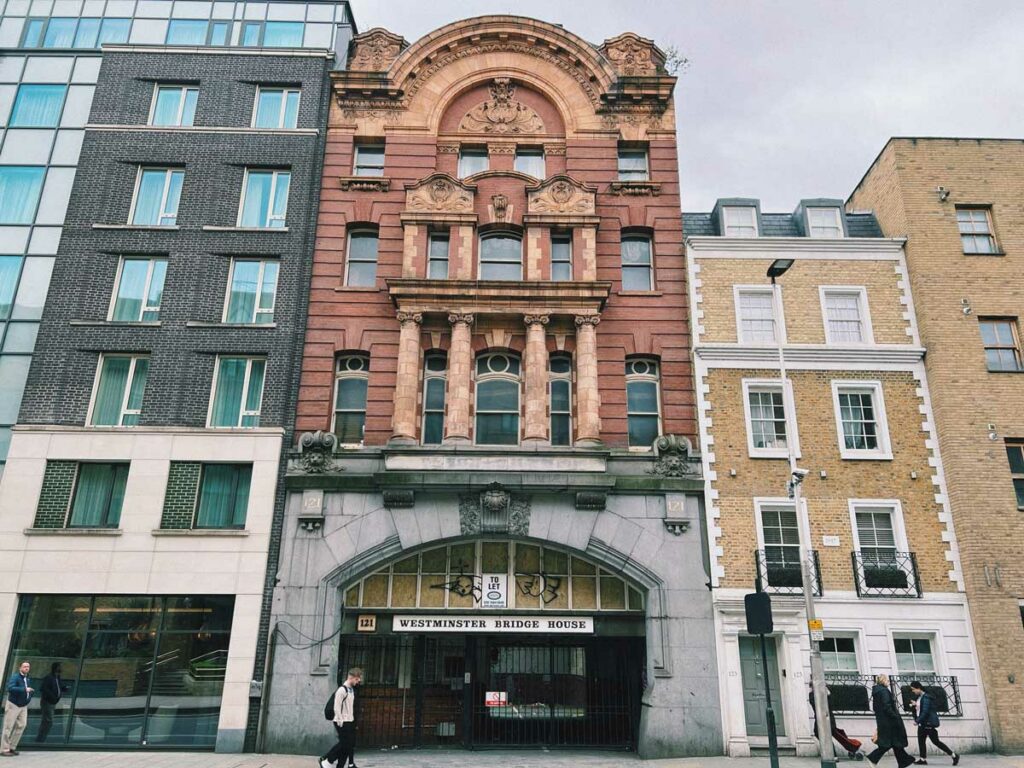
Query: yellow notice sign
<point>815,625</point>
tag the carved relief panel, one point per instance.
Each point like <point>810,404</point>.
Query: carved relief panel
<point>561,194</point>
<point>502,113</point>
<point>439,193</point>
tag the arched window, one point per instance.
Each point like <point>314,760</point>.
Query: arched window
<point>361,269</point>
<point>497,399</point>
<point>501,257</point>
<point>637,264</point>
<point>643,401</point>
<point>435,367</point>
<point>352,374</point>
<point>560,385</point>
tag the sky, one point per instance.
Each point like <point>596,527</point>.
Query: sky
<point>791,99</point>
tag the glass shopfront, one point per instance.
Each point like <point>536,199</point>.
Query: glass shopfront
<point>138,671</point>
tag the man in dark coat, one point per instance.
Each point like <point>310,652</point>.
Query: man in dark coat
<point>50,691</point>
<point>927,719</point>
<point>890,733</point>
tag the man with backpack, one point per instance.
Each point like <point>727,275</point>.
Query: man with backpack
<point>927,719</point>
<point>340,710</point>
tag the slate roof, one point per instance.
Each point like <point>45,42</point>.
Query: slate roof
<point>783,225</point>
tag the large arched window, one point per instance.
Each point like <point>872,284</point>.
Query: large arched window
<point>352,375</point>
<point>643,401</point>
<point>497,399</point>
<point>560,383</point>
<point>435,366</point>
<point>501,257</point>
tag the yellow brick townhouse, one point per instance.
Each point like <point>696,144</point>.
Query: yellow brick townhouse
<point>874,518</point>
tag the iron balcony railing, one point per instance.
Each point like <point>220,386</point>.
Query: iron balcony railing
<point>888,574</point>
<point>850,693</point>
<point>779,572</point>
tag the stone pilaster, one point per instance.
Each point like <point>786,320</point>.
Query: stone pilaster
<point>411,234</point>
<point>588,255</point>
<point>407,379</point>
<point>460,377</point>
<point>588,398</point>
<point>535,365</point>
<point>461,253</point>
<point>534,253</point>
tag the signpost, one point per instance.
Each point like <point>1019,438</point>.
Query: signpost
<point>758,607</point>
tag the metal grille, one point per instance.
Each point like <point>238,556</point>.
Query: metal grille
<point>886,574</point>
<point>781,576</point>
<point>850,694</point>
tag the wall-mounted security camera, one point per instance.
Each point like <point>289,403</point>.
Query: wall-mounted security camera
<point>943,194</point>
<point>800,473</point>
<point>965,306</point>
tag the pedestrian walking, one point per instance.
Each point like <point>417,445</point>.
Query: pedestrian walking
<point>344,752</point>
<point>19,694</point>
<point>50,692</point>
<point>890,733</point>
<point>927,719</point>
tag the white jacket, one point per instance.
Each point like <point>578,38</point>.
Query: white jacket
<point>344,699</point>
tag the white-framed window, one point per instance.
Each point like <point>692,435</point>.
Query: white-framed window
<point>561,256</point>
<point>739,221</point>
<point>975,226</point>
<point>157,194</point>
<point>530,160</point>
<point>880,541</point>
<point>368,160</point>
<point>501,257</point>
<point>560,387</point>
<point>860,420</point>
<point>276,107</point>
<point>437,255</point>
<point>755,315</point>
<point>643,402</point>
<point>633,163</point>
<point>778,529</point>
<point>637,262</point>
<point>498,384</point>
<point>351,381</point>
<point>435,381</point>
<point>174,105</point>
<point>915,656</point>
<point>824,222</point>
<point>839,654</point>
<point>264,199</point>
<point>764,406</point>
<point>472,160</point>
<point>361,264</point>
<point>252,291</point>
<point>138,290</point>
<point>118,390</point>
<point>845,314</point>
<point>237,391</point>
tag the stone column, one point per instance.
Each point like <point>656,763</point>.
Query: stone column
<point>535,370</point>
<point>460,377</point>
<point>588,398</point>
<point>407,379</point>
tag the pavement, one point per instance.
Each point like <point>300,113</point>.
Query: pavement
<point>453,759</point>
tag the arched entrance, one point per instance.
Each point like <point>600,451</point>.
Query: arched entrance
<point>495,643</point>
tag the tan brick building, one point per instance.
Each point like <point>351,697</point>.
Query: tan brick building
<point>958,203</point>
<point>874,512</point>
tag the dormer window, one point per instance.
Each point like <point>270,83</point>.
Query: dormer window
<point>739,221</point>
<point>824,222</point>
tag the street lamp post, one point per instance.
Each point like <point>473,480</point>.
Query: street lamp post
<point>796,476</point>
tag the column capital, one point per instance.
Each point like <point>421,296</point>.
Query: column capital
<point>588,319</point>
<point>456,318</point>
<point>536,319</point>
<point>409,317</point>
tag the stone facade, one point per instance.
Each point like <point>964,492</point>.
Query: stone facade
<point>746,479</point>
<point>498,85</point>
<point>916,187</point>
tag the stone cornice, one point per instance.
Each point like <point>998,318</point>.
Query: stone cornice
<point>806,247</point>
<point>498,296</point>
<point>736,355</point>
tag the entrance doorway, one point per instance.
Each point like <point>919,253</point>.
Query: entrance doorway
<point>752,671</point>
<point>447,691</point>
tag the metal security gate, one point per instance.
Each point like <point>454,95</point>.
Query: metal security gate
<point>558,692</point>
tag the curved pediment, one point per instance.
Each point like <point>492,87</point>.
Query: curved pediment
<point>561,194</point>
<point>439,193</point>
<point>502,114</point>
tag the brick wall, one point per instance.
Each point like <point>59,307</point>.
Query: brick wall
<point>967,398</point>
<point>55,495</point>
<point>181,496</point>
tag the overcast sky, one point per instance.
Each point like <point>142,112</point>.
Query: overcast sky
<point>786,99</point>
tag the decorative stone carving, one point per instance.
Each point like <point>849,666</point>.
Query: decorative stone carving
<point>409,317</point>
<point>499,204</point>
<point>502,113</point>
<point>448,149</point>
<point>561,194</point>
<point>582,320</point>
<point>635,188</point>
<point>375,50</point>
<point>439,193</point>
<point>647,118</point>
<point>554,149</point>
<point>519,516</point>
<point>536,319</point>
<point>399,498</point>
<point>593,501</point>
<point>494,510</point>
<point>676,527</point>
<point>364,184</point>
<point>469,514</point>
<point>456,317</point>
<point>672,454</point>
<point>316,451</point>
<point>632,55</point>
<point>386,113</point>
<point>503,148</point>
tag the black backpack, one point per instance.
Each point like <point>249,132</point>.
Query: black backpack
<point>329,706</point>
